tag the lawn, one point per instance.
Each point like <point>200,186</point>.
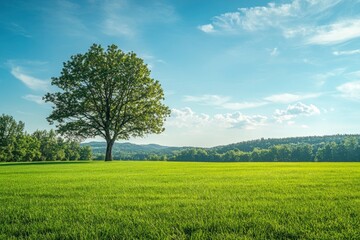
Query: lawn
<point>176,200</point>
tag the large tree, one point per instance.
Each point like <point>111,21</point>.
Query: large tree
<point>107,93</point>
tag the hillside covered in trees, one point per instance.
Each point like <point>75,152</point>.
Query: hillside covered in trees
<point>334,148</point>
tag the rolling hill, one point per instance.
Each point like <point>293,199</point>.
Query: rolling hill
<point>154,151</point>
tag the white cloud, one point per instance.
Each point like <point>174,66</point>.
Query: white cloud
<point>271,15</point>
<point>338,32</point>
<point>297,31</point>
<point>328,34</point>
<point>34,98</point>
<point>350,90</point>
<point>299,18</point>
<point>239,120</point>
<point>186,118</point>
<point>289,98</point>
<point>207,28</point>
<point>222,102</point>
<point>295,110</point>
<point>29,81</point>
<point>350,52</point>
<point>254,18</point>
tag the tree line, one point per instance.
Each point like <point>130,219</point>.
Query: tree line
<point>16,145</point>
<point>337,148</point>
<point>347,150</point>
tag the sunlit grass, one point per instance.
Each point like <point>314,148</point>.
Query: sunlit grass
<point>171,200</point>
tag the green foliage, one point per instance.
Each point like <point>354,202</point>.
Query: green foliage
<point>108,94</point>
<point>26,148</point>
<point>15,144</point>
<point>9,129</point>
<point>18,146</point>
<point>315,141</point>
<point>172,200</point>
<point>53,147</point>
<point>85,153</point>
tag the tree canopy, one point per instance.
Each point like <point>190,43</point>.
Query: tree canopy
<point>108,94</point>
<point>16,145</point>
<point>10,130</point>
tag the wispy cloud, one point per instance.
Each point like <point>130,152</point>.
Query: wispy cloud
<point>322,78</point>
<point>299,18</point>
<point>289,97</point>
<point>242,105</point>
<point>151,60</point>
<point>34,98</point>
<point>126,18</point>
<point>350,52</point>
<point>350,90</point>
<point>272,15</point>
<point>338,32</point>
<point>207,99</point>
<point>222,102</point>
<point>353,75</point>
<point>250,19</point>
<point>115,26</point>
<point>226,103</point>
<point>29,81</point>
<point>66,17</point>
<point>187,118</point>
<point>19,30</point>
<point>329,34</point>
<point>295,110</point>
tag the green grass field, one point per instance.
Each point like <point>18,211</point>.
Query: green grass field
<point>174,200</point>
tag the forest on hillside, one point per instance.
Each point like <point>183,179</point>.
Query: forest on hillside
<point>333,148</point>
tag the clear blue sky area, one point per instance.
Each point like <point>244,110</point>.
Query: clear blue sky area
<point>232,70</point>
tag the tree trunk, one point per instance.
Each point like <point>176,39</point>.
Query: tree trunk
<point>109,145</point>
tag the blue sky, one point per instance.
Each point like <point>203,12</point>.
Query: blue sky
<point>232,70</point>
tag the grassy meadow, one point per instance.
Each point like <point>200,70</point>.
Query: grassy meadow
<point>177,200</point>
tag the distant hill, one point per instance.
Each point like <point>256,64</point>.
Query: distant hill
<point>100,147</point>
<point>248,146</point>
<point>158,152</point>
